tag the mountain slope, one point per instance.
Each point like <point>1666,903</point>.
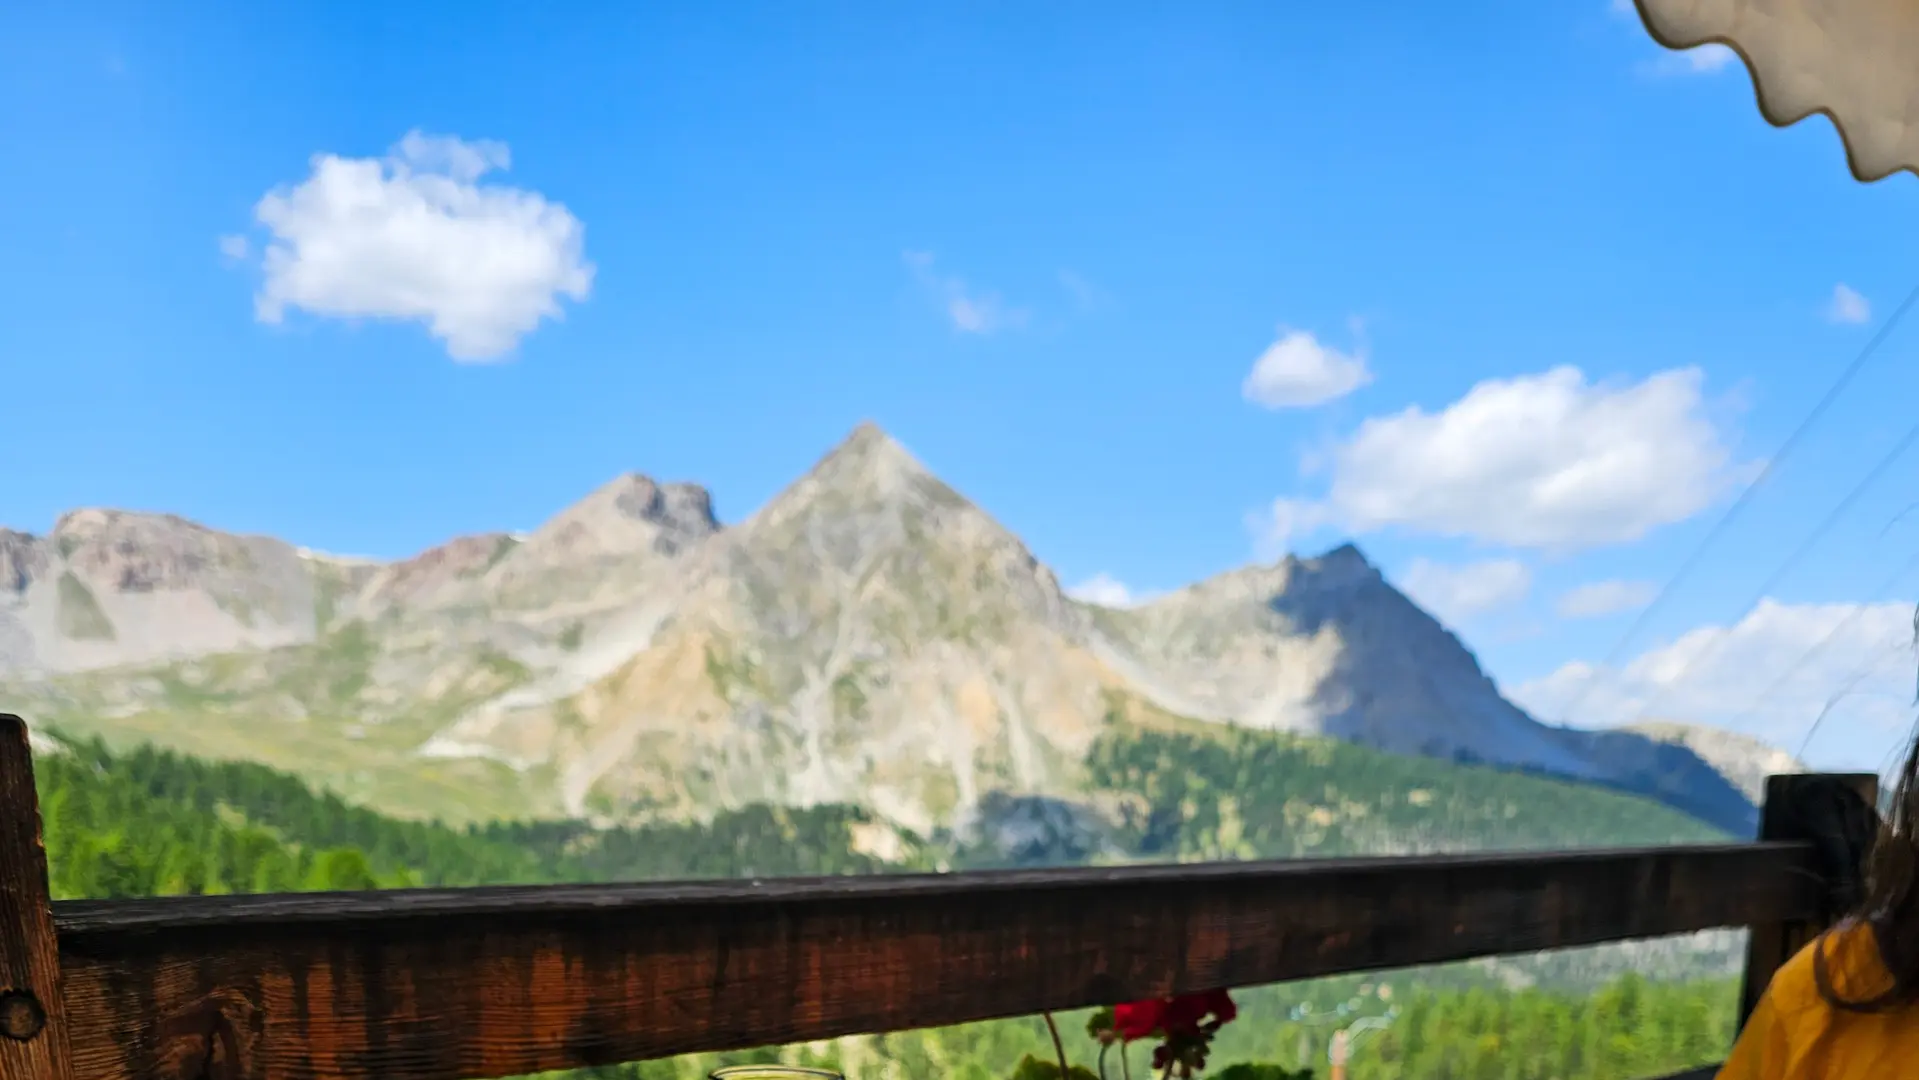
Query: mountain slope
<point>108,587</point>
<point>1745,762</point>
<point>1327,646</point>
<point>868,636</point>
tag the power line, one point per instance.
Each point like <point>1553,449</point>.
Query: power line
<point>1790,564</point>
<point>1845,691</point>
<point>1745,497</point>
<point>1831,635</point>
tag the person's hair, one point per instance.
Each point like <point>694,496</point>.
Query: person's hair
<point>1889,906</point>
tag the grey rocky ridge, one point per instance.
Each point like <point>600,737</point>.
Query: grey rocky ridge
<point>1743,760</point>
<point>868,636</point>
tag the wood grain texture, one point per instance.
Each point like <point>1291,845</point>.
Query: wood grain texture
<point>33,1024</point>
<point>448,984</point>
<point>1773,942</point>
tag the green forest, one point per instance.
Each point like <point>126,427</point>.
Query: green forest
<point>1236,793</point>
<point>141,821</point>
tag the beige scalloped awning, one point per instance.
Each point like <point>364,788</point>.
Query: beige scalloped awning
<point>1857,61</point>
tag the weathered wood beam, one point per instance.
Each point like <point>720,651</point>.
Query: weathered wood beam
<point>1797,805</point>
<point>33,1024</point>
<point>449,984</point>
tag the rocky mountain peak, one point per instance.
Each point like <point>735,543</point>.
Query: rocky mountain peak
<point>869,630</point>
<point>608,549</point>
<point>95,523</point>
<point>109,587</point>
<point>1344,559</point>
<point>1744,761</point>
<point>869,460</point>
<point>23,559</point>
<point>869,634</point>
<point>869,502</point>
<point>631,513</point>
<point>137,552</point>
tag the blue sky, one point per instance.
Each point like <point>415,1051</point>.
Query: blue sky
<point>1045,248</point>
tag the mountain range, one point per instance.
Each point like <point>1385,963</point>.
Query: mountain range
<point>869,636</point>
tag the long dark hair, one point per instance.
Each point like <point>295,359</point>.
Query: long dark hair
<point>1889,904</point>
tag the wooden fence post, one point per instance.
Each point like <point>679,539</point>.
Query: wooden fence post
<point>1790,801</point>
<point>33,1022</point>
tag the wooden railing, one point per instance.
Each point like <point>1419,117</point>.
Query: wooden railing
<point>452,984</point>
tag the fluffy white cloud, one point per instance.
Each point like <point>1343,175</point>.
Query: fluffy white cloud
<point>1297,371</point>
<point>1107,591</point>
<point>1598,598</point>
<point>1847,306</point>
<point>416,236</point>
<point>1744,679</point>
<point>1455,593</point>
<point>1537,461</point>
<point>968,309</point>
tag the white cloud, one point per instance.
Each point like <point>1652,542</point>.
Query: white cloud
<point>1107,591</point>
<point>1297,371</point>
<point>415,236</point>
<point>1598,598</point>
<point>968,309</point>
<point>1536,461</point>
<point>1704,60</point>
<point>1456,593</point>
<point>235,248</point>
<point>1847,306</point>
<point>1743,679</point>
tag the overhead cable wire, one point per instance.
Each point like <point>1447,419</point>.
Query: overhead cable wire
<point>1739,504</point>
<point>1819,646</point>
<point>1790,564</point>
<point>1844,692</point>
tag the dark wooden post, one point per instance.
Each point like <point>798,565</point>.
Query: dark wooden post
<point>1790,801</point>
<point>33,1021</point>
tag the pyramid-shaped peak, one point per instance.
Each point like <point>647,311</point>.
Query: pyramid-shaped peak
<point>867,489</point>
<point>869,458</point>
<point>868,431</point>
<point>1346,559</point>
<point>870,441</point>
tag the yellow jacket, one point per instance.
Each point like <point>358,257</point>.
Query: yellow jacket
<point>1794,1034</point>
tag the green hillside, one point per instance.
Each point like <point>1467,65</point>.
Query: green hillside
<point>1229,793</point>
<point>152,822</point>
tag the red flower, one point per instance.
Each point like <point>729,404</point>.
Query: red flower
<point>1185,1015</point>
<point>1139,1019</point>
